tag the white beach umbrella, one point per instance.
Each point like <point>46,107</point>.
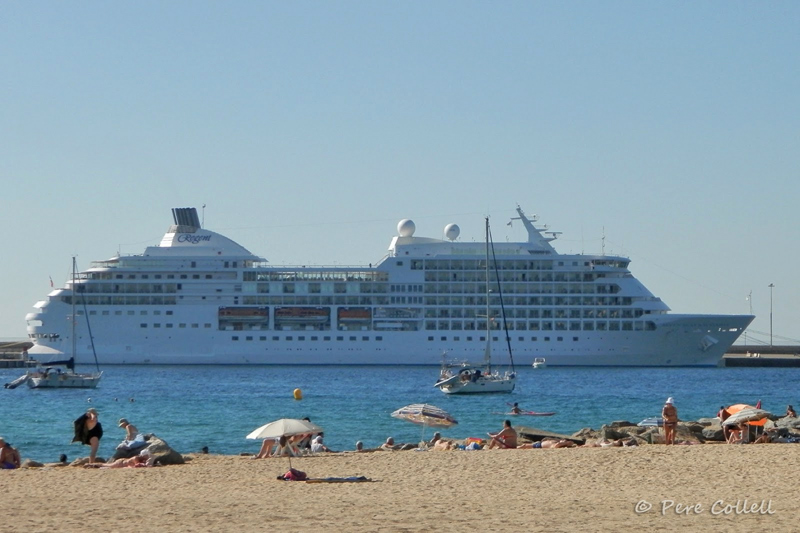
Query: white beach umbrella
<point>285,427</point>
<point>746,415</point>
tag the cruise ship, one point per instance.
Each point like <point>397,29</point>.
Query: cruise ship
<point>198,297</point>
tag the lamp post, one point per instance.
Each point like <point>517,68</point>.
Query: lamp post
<point>771,286</point>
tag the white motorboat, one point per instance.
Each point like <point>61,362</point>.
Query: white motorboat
<point>468,378</point>
<point>539,362</point>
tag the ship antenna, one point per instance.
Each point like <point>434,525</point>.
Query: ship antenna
<point>203,225</point>
<point>603,242</point>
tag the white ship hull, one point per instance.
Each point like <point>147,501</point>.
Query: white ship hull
<point>172,305</point>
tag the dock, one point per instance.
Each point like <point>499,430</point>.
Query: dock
<point>15,355</point>
<point>784,356</point>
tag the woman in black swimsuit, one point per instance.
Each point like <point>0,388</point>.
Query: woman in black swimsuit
<point>92,432</point>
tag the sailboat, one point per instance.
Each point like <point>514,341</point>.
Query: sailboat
<point>466,378</point>
<point>51,375</point>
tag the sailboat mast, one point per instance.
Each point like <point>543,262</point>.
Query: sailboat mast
<point>74,297</point>
<point>488,354</point>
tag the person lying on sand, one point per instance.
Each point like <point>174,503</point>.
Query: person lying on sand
<point>131,462</point>
<point>548,443</point>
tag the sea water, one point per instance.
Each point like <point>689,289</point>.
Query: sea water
<point>217,406</point>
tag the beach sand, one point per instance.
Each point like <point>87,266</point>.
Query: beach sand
<point>594,489</point>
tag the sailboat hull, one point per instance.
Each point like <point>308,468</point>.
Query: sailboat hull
<point>469,380</point>
<point>65,380</point>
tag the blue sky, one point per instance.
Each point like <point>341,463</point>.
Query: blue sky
<point>310,128</point>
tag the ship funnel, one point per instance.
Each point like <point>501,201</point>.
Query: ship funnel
<point>185,216</point>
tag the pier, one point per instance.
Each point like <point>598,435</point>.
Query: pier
<point>15,355</point>
<point>783,356</point>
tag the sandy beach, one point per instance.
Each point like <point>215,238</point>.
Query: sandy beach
<point>715,488</point>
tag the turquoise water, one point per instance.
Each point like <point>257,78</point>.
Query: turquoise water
<point>192,407</point>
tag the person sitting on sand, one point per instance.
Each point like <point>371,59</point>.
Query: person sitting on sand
<point>133,439</point>
<point>317,446</point>
<point>9,457</point>
<point>739,434</point>
<point>389,445</point>
<point>790,412</point>
<point>266,448</point>
<point>436,438</point>
<point>506,438</point>
<point>359,446</point>
<point>284,448</point>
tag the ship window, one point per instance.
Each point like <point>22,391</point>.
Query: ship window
<point>207,325</point>
<point>339,338</point>
<point>364,338</point>
<point>194,264</point>
<point>208,276</point>
<point>168,312</point>
<point>559,339</point>
<point>169,326</point>
<point>262,338</point>
<point>314,338</point>
<point>118,276</point>
<point>142,312</point>
<point>195,326</point>
<point>378,338</point>
<point>181,325</point>
<point>430,338</point>
<point>443,338</point>
<point>118,313</point>
<point>547,339</point>
<point>275,339</point>
<point>248,338</point>
<point>131,312</point>
<point>469,339</point>
<point>289,338</point>
<point>158,325</point>
<point>301,338</point>
<point>326,338</point>
<point>352,338</point>
<point>183,276</point>
<point>195,276</point>
<point>534,339</point>
<point>575,339</point>
<point>142,325</point>
<point>400,263</point>
<point>235,338</point>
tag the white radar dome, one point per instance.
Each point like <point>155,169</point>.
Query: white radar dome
<point>452,231</point>
<point>406,228</point>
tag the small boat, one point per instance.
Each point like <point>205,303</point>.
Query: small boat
<point>539,362</point>
<point>466,378</point>
<point>51,375</point>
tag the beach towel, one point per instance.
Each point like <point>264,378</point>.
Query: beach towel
<point>351,479</point>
